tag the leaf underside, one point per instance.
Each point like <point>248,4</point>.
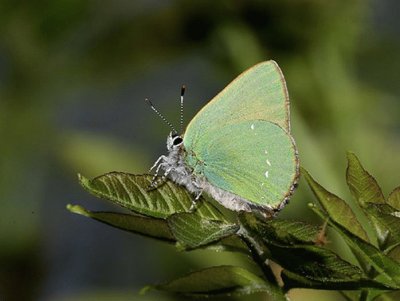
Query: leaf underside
<point>132,192</point>
<point>138,224</point>
<point>362,185</point>
<point>394,198</point>
<point>305,264</point>
<point>219,281</point>
<point>384,217</point>
<point>336,208</point>
<point>383,264</point>
<point>192,231</point>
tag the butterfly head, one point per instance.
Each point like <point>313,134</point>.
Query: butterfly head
<point>174,141</point>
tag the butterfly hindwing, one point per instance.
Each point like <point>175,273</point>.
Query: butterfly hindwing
<point>254,159</point>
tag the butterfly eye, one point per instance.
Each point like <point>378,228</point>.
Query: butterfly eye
<point>177,141</point>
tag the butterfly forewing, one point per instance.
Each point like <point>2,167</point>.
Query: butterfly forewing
<point>258,93</point>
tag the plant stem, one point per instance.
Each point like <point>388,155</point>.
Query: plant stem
<point>258,254</point>
<point>371,272</point>
<point>364,295</point>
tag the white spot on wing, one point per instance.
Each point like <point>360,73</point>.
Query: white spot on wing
<point>252,126</point>
<point>266,174</point>
<point>269,163</point>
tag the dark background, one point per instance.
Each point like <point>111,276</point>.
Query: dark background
<point>73,77</point>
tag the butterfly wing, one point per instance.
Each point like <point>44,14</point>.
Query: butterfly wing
<point>258,93</point>
<point>253,159</point>
<point>240,141</point>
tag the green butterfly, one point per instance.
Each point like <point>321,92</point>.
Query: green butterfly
<point>238,148</point>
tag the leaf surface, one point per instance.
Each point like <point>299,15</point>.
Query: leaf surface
<point>132,192</point>
<point>299,255</point>
<point>192,231</point>
<point>220,281</point>
<point>394,198</point>
<point>386,216</point>
<point>289,232</point>
<point>336,208</point>
<point>384,265</point>
<point>143,225</point>
<point>293,280</point>
<point>362,185</point>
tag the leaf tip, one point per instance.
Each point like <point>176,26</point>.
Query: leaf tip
<point>303,170</point>
<point>180,246</point>
<point>83,181</point>
<point>309,179</point>
<point>145,289</point>
<point>352,159</point>
<point>77,209</point>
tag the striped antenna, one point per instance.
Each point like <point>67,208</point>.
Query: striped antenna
<point>160,115</point>
<point>183,88</point>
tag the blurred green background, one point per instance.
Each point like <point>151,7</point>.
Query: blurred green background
<point>73,78</point>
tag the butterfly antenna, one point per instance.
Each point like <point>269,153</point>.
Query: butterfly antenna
<point>160,115</point>
<point>183,88</point>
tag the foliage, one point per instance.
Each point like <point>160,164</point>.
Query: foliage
<point>298,248</point>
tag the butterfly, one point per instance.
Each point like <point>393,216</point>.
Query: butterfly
<point>238,148</point>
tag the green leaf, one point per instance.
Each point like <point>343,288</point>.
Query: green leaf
<point>391,296</point>
<point>230,244</point>
<point>394,198</point>
<point>290,232</point>
<point>131,191</point>
<point>362,185</point>
<point>366,190</point>
<point>386,216</point>
<point>155,228</point>
<point>316,263</point>
<point>394,253</point>
<point>219,281</point>
<point>143,225</point>
<point>192,231</point>
<point>351,295</point>
<point>293,280</point>
<point>336,208</point>
<point>320,267</point>
<point>383,264</point>
<point>285,232</point>
<point>301,256</point>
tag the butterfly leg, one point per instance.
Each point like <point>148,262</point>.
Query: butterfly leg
<point>193,206</point>
<point>154,183</point>
<point>166,173</point>
<point>198,194</point>
<point>161,158</point>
